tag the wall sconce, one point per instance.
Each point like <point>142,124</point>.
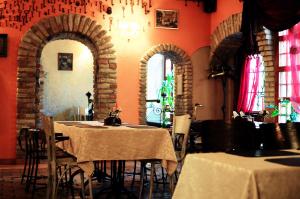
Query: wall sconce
<point>129,29</point>
<point>216,74</point>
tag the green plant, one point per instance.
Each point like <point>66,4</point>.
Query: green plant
<point>284,103</point>
<point>166,97</point>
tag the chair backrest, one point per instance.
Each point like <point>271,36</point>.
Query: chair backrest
<point>268,136</point>
<point>51,150</point>
<point>216,136</point>
<point>244,135</point>
<point>180,132</point>
<point>290,133</point>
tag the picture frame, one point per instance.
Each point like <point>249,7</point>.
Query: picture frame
<point>3,45</point>
<point>166,19</point>
<point>65,61</point>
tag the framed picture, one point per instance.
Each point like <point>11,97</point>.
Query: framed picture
<point>166,19</point>
<point>65,61</point>
<point>3,45</point>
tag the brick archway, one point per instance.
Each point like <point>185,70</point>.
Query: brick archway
<point>30,73</point>
<point>183,66</point>
<point>265,43</point>
<point>227,27</point>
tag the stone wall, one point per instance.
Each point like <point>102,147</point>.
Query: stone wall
<point>267,50</point>
<point>30,74</point>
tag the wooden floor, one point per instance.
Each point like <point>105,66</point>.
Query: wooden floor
<point>11,187</point>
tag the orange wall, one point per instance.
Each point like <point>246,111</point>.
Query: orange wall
<point>225,8</point>
<point>194,30</point>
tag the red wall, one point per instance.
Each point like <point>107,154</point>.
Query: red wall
<point>8,96</point>
<point>194,30</point>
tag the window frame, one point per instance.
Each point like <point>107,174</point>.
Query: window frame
<point>278,69</point>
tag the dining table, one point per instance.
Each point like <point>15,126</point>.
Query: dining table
<point>91,141</point>
<point>221,175</point>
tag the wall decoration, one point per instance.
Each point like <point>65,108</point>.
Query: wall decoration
<point>17,13</point>
<point>3,45</point>
<point>65,61</point>
<point>166,19</point>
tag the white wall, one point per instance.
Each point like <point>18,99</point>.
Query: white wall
<point>66,89</point>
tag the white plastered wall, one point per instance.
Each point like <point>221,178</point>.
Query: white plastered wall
<point>65,91</point>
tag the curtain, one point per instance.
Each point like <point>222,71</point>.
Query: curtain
<point>249,83</point>
<point>292,60</point>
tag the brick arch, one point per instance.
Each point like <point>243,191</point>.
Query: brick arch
<point>227,27</point>
<point>183,65</point>
<point>30,73</point>
<point>265,44</point>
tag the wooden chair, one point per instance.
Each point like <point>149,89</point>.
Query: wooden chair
<point>55,163</point>
<point>216,136</point>
<point>35,151</point>
<point>180,133</point>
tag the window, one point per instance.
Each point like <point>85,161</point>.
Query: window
<point>288,73</point>
<point>160,89</point>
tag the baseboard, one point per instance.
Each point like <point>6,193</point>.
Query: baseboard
<point>7,161</point>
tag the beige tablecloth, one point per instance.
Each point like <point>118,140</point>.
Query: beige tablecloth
<point>88,144</point>
<point>225,176</point>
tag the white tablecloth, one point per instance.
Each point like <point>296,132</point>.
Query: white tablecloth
<point>225,176</point>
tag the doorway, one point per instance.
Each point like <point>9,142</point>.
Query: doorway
<point>30,74</point>
<point>65,88</point>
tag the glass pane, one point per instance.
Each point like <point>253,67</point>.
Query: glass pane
<point>154,76</point>
<point>153,112</point>
<point>258,103</point>
<point>289,108</point>
<point>289,90</point>
<point>282,79</point>
<point>298,118</point>
<point>288,78</point>
<point>168,67</point>
<point>157,66</point>
<point>284,60</point>
<point>259,95</point>
<point>282,119</point>
<point>282,91</point>
<point>282,110</point>
<point>282,47</point>
<point>282,33</point>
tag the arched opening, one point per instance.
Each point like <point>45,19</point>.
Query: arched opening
<point>227,58</point>
<point>182,78</point>
<point>67,67</point>
<point>160,89</point>
<point>30,72</point>
<point>225,65</point>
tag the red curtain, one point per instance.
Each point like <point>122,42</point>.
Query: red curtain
<point>292,60</point>
<point>249,83</point>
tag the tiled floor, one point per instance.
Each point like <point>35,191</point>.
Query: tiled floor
<point>11,187</point>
